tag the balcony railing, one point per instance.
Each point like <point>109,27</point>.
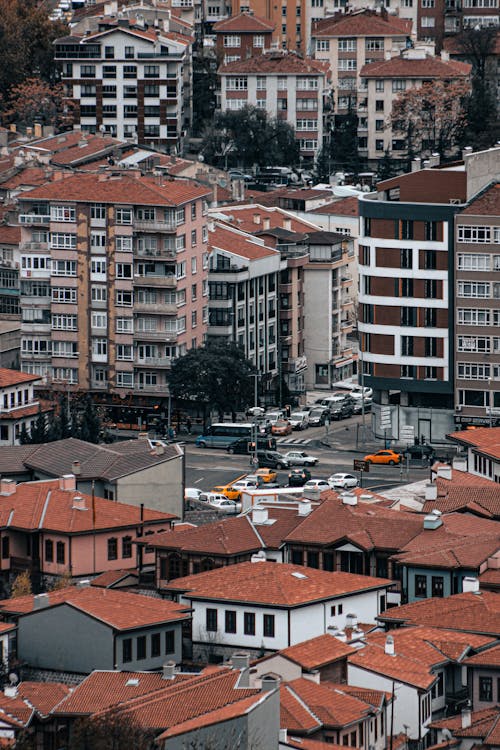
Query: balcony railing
<point>154,361</point>
<point>156,225</point>
<point>34,218</point>
<point>169,254</point>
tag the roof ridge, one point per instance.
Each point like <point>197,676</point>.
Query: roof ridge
<point>303,704</point>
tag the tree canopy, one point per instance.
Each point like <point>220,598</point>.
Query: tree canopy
<point>216,375</point>
<point>35,100</point>
<point>249,137</point>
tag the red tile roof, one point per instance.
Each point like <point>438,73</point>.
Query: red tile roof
<point>43,696</point>
<point>305,743</point>
<point>9,235</point>
<point>484,440</point>
<point>295,715</point>
<point>417,651</point>
<point>29,176</point>
<point>44,506</point>
<point>487,203</point>
<point>317,652</point>
<point>429,67</point>
<point>488,658</point>
<point>244,23</point>
<point>267,583</point>
<point>365,23</point>
<point>111,577</point>
<point>224,238</point>
<point>13,377</point>
<point>118,609</point>
<point>244,218</point>
<point>276,63</point>
<point>123,189</point>
<point>483,723</point>
<point>343,207</point>
<point>470,613</point>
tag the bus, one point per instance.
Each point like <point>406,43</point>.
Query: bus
<point>222,434</point>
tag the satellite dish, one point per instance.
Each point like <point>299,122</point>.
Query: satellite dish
<point>13,678</point>
<point>222,182</point>
<point>201,158</point>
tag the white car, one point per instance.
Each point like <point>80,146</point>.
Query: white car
<point>225,505</point>
<point>192,493</point>
<point>255,411</point>
<point>342,480</point>
<point>212,497</point>
<point>300,458</point>
<point>299,420</point>
<point>359,392</point>
<point>320,484</point>
<point>246,484</point>
<point>271,417</point>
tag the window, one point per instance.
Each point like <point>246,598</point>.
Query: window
<point>258,40</point>
<point>87,71</point>
<point>230,621</point>
<point>180,270</point>
<point>431,288</point>
<point>63,295</point>
<point>64,323</point>
<point>486,689</point>
<point>268,626</point>
<point>473,262</point>
<point>322,45</point>
<point>126,650</point>
<point>407,346</point>
<point>124,298</point>
<point>5,548</point>
<point>123,270</point>
<point>476,234</point>
<point>151,71</point>
<point>232,40</point>
<point>129,71</point>
<point>421,586</point>
<point>99,320</point>
<point>63,241</point>
<point>437,586</point>
<point>473,289</point>
<point>347,64</point>
<point>211,620</point>
<point>306,84</point>
<point>141,647</point>
<point>112,548</point>
<point>155,644</point>
<point>49,550</point>
<point>169,641</point>
<point>62,213</point>
<point>236,83</point>
<point>408,371</point>
<point>473,317</point>
<point>398,84</point>
<point>347,45</point>
<point>124,216</point>
<point>408,316</point>
<point>379,85</point>
<point>61,553</point>
<point>428,22</point>
<point>249,623</point>
<point>124,325</point>
<point>379,105</point>
<point>469,371</point>
<point>406,257</point>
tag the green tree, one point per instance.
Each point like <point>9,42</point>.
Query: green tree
<point>89,422</point>
<point>24,437</point>
<point>214,376</point>
<point>204,88</point>
<point>249,137</point>
<point>38,432</point>
<point>386,167</point>
<point>344,152</point>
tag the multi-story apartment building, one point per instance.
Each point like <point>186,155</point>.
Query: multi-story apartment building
<point>436,19</point>
<point>242,36</point>
<point>289,87</point>
<point>457,50</point>
<point>243,288</point>
<point>288,18</point>
<point>477,309</point>
<point>129,81</point>
<point>113,280</point>
<point>10,237</point>
<point>405,300</point>
<point>384,81</point>
<point>348,42</point>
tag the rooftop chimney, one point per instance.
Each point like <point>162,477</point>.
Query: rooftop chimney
<point>79,503</point>
<point>83,584</point>
<point>433,520</point>
<point>470,585</point>
<point>444,472</point>
<point>283,736</point>
<point>389,646</point>
<point>266,223</point>
<point>434,160</point>
<point>467,151</point>
<point>159,449</point>
<point>256,218</point>
<point>67,482</point>
<point>431,491</point>
<point>269,682</point>
<point>460,463</point>
<point>169,670</point>
<point>287,224</point>
<point>240,660</point>
<point>40,601</point>
<point>7,486</point>
<point>304,508</point>
<point>349,498</point>
<point>10,691</point>
<point>76,468</point>
<point>416,164</point>
<point>351,620</point>
<point>260,515</point>
<point>341,636</point>
<point>466,718</point>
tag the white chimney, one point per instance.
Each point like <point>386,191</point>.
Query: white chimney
<point>67,482</point>
<point>431,491</point>
<point>349,498</point>
<point>304,508</point>
<point>260,515</point>
<point>10,691</point>
<point>83,584</point>
<point>283,737</point>
<point>470,585</point>
<point>433,520</point>
<point>266,223</point>
<point>444,472</point>
<point>351,620</point>
<point>256,218</point>
<point>389,646</point>
<point>466,718</point>
<point>415,164</point>
<point>240,660</point>
<point>7,486</point>
<point>169,670</point>
<point>159,449</point>
<point>40,601</point>
<point>460,463</point>
<point>76,468</point>
<point>341,636</point>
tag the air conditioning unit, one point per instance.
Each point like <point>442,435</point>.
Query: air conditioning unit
<point>458,407</point>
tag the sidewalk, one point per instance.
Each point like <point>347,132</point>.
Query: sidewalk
<point>349,439</point>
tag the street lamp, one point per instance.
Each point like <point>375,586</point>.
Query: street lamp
<point>255,376</point>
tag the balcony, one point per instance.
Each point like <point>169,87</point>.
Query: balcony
<point>144,388</point>
<point>99,385</point>
<point>165,336</point>
<point>34,246</point>
<point>156,225</point>
<point>158,308</point>
<point>166,282</point>
<point>34,273</point>
<point>25,405</point>
<point>153,362</point>
<point>169,254</point>
<point>34,218</point>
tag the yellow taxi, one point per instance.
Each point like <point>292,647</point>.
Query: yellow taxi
<point>227,489</point>
<point>384,457</point>
<point>268,475</point>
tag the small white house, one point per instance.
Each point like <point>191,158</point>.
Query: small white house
<point>18,405</point>
<point>261,607</point>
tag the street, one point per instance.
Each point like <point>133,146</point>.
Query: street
<point>206,468</point>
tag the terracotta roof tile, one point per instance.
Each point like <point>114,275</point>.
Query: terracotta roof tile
<point>267,583</point>
<point>317,652</point>
<point>111,577</point>
<point>43,696</point>
<point>244,23</point>
<point>328,702</point>
<point>482,722</point>
<point>9,235</point>
<point>365,23</point>
<point>487,203</point>
<point>429,67</point>
<point>343,207</point>
<point>124,189</point>
<point>13,377</point>
<point>294,715</point>
<point>225,537</point>
<point>305,743</point>
<point>118,609</point>
<point>234,241</point>
<point>488,658</point>
<point>244,218</point>
<point>276,64</point>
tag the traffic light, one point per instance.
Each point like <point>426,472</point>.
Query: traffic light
<point>288,410</point>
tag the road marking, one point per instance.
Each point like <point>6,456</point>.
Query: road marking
<point>198,480</point>
<point>297,441</point>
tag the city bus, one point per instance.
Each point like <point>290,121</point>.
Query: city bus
<point>222,434</point>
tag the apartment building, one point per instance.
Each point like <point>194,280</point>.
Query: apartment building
<point>348,41</point>
<point>477,309</point>
<point>129,81</point>
<point>243,290</point>
<point>288,18</point>
<point>113,280</point>
<point>405,300</point>
<point>437,19</point>
<point>289,87</point>
<point>384,81</point>
<point>9,271</point>
<point>242,36</point>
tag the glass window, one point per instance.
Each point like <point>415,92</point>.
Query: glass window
<point>421,586</point>
<point>126,650</point>
<point>268,626</point>
<point>230,621</point>
<point>141,647</point>
<point>249,623</point>
<point>211,620</point>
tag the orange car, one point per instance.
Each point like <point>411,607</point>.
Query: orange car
<point>384,457</point>
<point>281,427</point>
<point>268,475</point>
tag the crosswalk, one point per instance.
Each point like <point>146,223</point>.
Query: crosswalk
<point>293,441</point>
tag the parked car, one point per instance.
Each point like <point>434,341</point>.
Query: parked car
<point>281,427</point>
<point>267,474</point>
<point>421,452</point>
<point>225,505</point>
<point>272,459</point>
<point>301,458</point>
<point>384,457</point>
<point>243,446</point>
<point>211,497</point>
<point>192,493</point>
<point>237,174</point>
<point>299,420</point>
<point>255,411</point>
<point>320,484</point>
<point>359,403</point>
<point>318,416</point>
<point>342,480</point>
<point>271,417</point>
<point>341,410</point>
<point>298,477</point>
<point>251,482</point>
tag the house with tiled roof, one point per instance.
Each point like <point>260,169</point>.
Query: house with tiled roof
<point>422,667</point>
<point>113,629</point>
<point>208,709</point>
<point>241,36</point>
<point>53,529</point>
<point>263,607</point>
<point>385,80</point>
<point>475,612</point>
<point>453,489</point>
<point>484,678</point>
<point>128,471</point>
<point>288,86</point>
<point>479,728</point>
<point>336,714</point>
<point>482,446</point>
<point>19,406</point>
<point>25,706</point>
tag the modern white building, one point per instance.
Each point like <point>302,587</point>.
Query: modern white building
<point>18,404</point>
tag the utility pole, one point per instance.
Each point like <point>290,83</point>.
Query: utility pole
<point>255,460</point>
